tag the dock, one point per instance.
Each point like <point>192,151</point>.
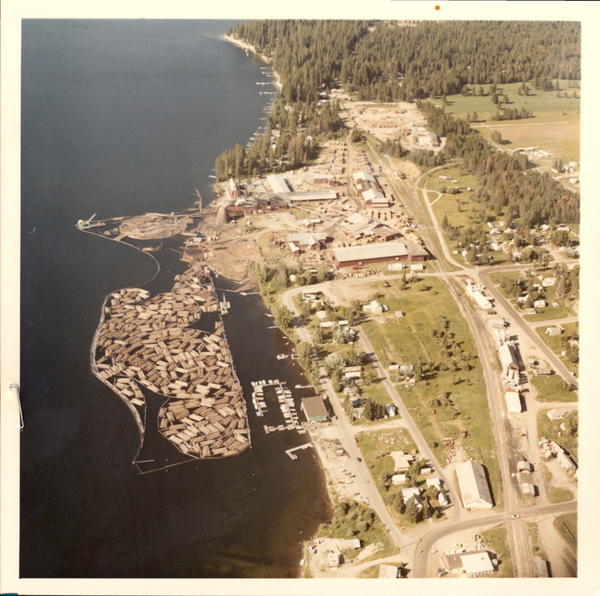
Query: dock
<point>291,453</point>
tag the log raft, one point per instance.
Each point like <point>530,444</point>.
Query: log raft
<point>149,342</point>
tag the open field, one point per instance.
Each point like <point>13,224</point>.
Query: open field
<point>496,540</point>
<point>555,342</point>
<point>561,138</point>
<point>552,389</point>
<point>560,495</point>
<point>450,396</point>
<point>554,126</point>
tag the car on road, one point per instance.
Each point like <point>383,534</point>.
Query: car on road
<point>515,516</point>
<point>433,552</point>
<point>359,459</point>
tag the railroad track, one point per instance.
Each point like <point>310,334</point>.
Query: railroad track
<point>518,535</point>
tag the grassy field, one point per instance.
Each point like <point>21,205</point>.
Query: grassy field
<point>551,389</point>
<point>410,339</point>
<point>555,125</point>
<point>496,540</point>
<point>555,342</point>
<point>550,429</point>
<point>560,495</point>
<point>569,520</point>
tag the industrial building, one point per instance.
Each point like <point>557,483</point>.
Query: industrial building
<point>474,486</point>
<point>374,253</point>
<point>509,359</point>
<point>513,402</point>
<point>314,409</point>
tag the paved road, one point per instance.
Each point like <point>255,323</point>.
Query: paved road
<point>346,434</point>
<point>426,544</point>
<point>422,446</point>
<point>524,327</point>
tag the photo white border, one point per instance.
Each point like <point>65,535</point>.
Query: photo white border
<point>588,581</point>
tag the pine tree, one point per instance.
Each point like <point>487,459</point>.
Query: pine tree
<point>398,503</point>
<point>412,511</point>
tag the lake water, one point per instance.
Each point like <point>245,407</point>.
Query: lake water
<point>122,118</point>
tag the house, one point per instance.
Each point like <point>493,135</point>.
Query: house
<point>321,315</point>
<point>434,482</point>
<point>442,500</point>
<point>554,330</point>
<point>412,492</point>
<point>417,267</point>
<point>473,484</point>
<point>539,303</point>
<point>314,409</point>
<point>398,479</point>
<point>309,241</point>
<point>390,410</point>
<point>376,307</point>
<point>349,544</point>
<point>558,413</point>
<point>351,372</point>
<point>548,281</point>
<point>402,461</point>
<point>387,571</point>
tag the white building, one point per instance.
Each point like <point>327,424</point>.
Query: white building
<point>376,307</point>
<point>513,402</point>
<point>508,358</point>
<point>387,571</point>
<point>477,563</point>
<point>474,487</point>
<point>402,461</point>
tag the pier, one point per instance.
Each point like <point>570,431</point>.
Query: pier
<point>291,453</point>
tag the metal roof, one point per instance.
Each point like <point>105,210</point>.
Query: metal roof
<point>278,184</point>
<point>387,250</point>
<point>473,484</point>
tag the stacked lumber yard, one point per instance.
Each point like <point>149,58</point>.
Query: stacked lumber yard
<point>149,341</point>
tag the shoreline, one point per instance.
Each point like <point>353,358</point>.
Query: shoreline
<point>246,46</point>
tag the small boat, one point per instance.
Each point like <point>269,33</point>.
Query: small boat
<point>281,356</point>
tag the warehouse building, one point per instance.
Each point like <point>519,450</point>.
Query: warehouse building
<point>375,253</point>
<point>314,409</point>
<point>474,487</point>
